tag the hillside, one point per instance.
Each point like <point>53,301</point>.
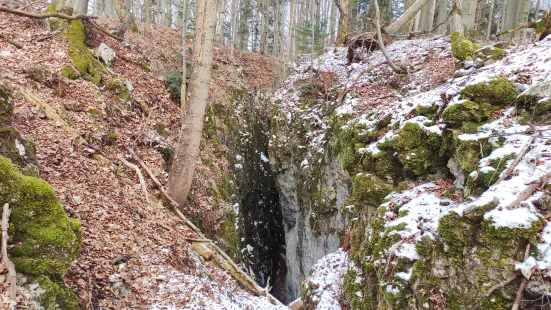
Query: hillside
<point>133,253</point>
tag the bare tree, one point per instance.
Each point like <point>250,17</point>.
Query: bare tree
<point>187,150</point>
<point>455,23</point>
<point>406,17</point>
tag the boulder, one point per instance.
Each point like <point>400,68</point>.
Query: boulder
<point>106,54</point>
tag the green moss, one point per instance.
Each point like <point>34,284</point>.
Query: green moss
<point>419,152</point>
<point>44,240</point>
<point>6,104</point>
<point>428,111</point>
<point>484,178</point>
<point>55,295</point>
<point>468,153</point>
<point>83,61</point>
<point>493,53</point>
<point>144,64</point>
<point>466,111</point>
<point>462,48</point>
<point>456,232</point>
<point>498,92</point>
<point>117,87</point>
<point>370,189</point>
<point>534,108</point>
<point>96,113</point>
<point>110,138</point>
<point>161,129</point>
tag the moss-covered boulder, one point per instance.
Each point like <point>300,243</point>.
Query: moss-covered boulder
<point>498,92</point>
<point>117,86</point>
<point>6,104</point>
<point>370,189</point>
<point>51,295</point>
<point>84,65</point>
<point>490,53</point>
<point>44,239</point>
<point>466,111</point>
<point>462,47</point>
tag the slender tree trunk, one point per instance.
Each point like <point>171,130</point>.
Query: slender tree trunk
<point>442,15</point>
<point>187,151</point>
<point>522,17</point>
<point>264,27</point>
<point>183,91</point>
<point>408,27</point>
<point>455,23</point>
<point>291,37</point>
<point>537,11</point>
<point>332,21</point>
<point>480,5</point>
<point>277,32</point>
<point>234,5</point>
<point>220,22</point>
<point>509,18</point>
<point>407,16</point>
<point>147,11</point>
<point>490,20</point>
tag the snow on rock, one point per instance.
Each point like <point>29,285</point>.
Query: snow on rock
<point>326,279</point>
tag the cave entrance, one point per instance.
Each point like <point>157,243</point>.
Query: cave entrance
<point>260,220</point>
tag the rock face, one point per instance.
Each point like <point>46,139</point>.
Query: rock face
<point>106,54</point>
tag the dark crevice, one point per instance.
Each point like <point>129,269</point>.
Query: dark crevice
<point>260,220</point>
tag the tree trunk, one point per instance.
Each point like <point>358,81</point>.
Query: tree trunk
<point>441,16</point>
<point>343,7</point>
<point>220,22</point>
<point>509,18</point>
<point>264,27</point>
<point>109,9</point>
<point>468,14</point>
<point>522,17</point>
<point>332,21</point>
<point>80,7</point>
<point>490,20</point>
<point>277,32</point>
<point>187,151</point>
<point>183,91</point>
<point>234,5</point>
<point>291,37</point>
<point>408,27</point>
<point>406,17</point>
<point>147,11</point>
<point>455,23</point>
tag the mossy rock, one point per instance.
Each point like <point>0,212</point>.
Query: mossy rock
<point>534,109</point>
<point>6,104</point>
<point>44,239</point>
<point>468,153</point>
<point>144,64</point>
<point>467,111</point>
<point>493,53</point>
<point>117,86</point>
<point>419,152</point>
<point>54,295</point>
<point>370,189</point>
<point>84,65</point>
<point>462,48</point>
<point>499,92</point>
<point>480,180</point>
<point>429,111</point>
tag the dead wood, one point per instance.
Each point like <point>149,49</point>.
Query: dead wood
<point>87,18</point>
<point>517,160</point>
<point>10,41</point>
<point>140,176</point>
<point>12,276</point>
<point>395,68</point>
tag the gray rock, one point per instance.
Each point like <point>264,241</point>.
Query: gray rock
<point>455,169</point>
<point>106,54</point>
<point>129,85</point>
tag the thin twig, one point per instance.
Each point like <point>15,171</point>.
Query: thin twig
<point>51,35</point>
<point>140,176</point>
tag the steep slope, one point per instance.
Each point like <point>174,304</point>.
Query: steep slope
<point>437,185</point>
<point>135,253</point>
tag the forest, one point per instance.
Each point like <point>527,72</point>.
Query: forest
<point>274,154</point>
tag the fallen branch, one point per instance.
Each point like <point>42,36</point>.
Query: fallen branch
<point>12,276</point>
<point>394,67</point>
<point>140,176</point>
<point>493,288</point>
<point>87,18</point>
<point>51,35</point>
<point>517,160</point>
<point>522,26</point>
<point>347,88</point>
<point>249,281</point>
<point>10,41</point>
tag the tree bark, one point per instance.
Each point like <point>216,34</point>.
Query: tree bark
<point>220,22</point>
<point>468,14</point>
<point>234,5</point>
<point>408,27</point>
<point>80,6</point>
<point>441,16</point>
<point>187,151</point>
<point>343,7</point>
<point>290,40</point>
<point>490,20</point>
<point>394,67</point>
<point>455,23</point>
<point>407,16</point>
<point>332,21</point>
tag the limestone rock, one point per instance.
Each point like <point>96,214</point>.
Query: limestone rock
<point>106,54</point>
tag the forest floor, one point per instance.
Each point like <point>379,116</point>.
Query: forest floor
<point>134,254</point>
